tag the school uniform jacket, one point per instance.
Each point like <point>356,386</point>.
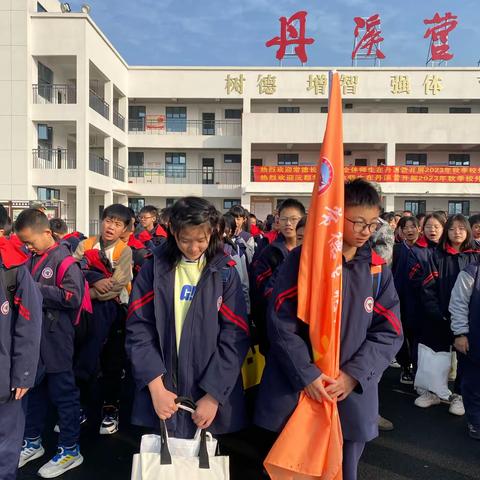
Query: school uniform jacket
<point>371,335</point>
<point>20,331</point>
<point>152,239</point>
<point>443,268</point>
<point>214,343</point>
<point>60,307</point>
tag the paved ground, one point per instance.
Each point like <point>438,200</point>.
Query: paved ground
<point>426,444</point>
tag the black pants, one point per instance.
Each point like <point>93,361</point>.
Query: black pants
<point>407,355</point>
<point>471,391</point>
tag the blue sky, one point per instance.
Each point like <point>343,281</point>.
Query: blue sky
<point>234,32</point>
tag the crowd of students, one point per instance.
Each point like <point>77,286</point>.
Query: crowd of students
<point>175,299</point>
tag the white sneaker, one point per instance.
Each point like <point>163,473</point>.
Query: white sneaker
<point>31,449</point>
<point>109,424</point>
<point>426,400</point>
<point>64,460</point>
<point>456,405</point>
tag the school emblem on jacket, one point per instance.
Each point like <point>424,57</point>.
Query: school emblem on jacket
<point>326,170</point>
<point>219,302</point>
<point>5,308</point>
<point>368,304</point>
<point>47,273</point>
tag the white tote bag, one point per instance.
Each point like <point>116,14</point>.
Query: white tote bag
<point>432,371</point>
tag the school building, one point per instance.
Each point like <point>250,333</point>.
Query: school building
<point>80,128</point>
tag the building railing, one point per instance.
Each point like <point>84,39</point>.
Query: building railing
<point>174,175</point>
<point>71,225</point>
<point>99,104</point>
<point>93,227</point>
<point>56,94</point>
<point>118,120</point>
<point>99,164</point>
<point>54,158</point>
<point>118,172</point>
<point>158,125</point>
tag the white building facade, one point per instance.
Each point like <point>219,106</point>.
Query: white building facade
<point>81,128</point>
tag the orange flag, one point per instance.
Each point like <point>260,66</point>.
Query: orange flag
<point>310,445</point>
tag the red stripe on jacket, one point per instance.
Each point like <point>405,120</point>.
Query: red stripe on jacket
<point>24,311</point>
<point>229,315</point>
<point>139,303</point>
<point>390,316</point>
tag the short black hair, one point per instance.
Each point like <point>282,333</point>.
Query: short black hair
<point>238,211</point>
<point>58,225</point>
<point>292,203</point>
<point>150,209</point>
<point>388,216</point>
<point>361,193</point>
<point>474,219</point>
<point>5,222</point>
<point>302,223</point>
<point>407,211</point>
<point>32,218</point>
<point>227,221</point>
<point>118,211</point>
<point>419,216</point>
<point>402,223</point>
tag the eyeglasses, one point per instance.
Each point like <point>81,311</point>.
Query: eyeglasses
<point>432,227</point>
<point>144,217</point>
<point>292,220</point>
<point>359,227</point>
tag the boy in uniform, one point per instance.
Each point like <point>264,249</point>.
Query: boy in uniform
<point>62,299</point>
<point>151,233</point>
<point>20,333</point>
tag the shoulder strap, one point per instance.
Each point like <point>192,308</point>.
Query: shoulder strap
<point>376,272</point>
<point>66,263</point>
<point>9,280</point>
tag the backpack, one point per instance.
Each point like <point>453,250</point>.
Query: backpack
<point>9,281</point>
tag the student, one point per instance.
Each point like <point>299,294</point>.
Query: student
<point>411,231</point>
<point>383,240</point>
<point>474,221</point>
<point>241,236</point>
<point>253,226</point>
<point>20,333</point>
<point>191,337</point>
<point>227,227</point>
<point>139,251</point>
<point>55,379</point>
<point>290,213</point>
<point>60,231</point>
<point>465,325</point>
<point>455,251</point>
<point>300,230</point>
<point>150,232</point>
<point>370,336</point>
<point>109,273</point>
<point>421,220</point>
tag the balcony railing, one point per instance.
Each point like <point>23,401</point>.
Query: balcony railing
<point>118,172</point>
<point>94,227</point>
<point>57,159</point>
<point>175,175</point>
<point>99,164</point>
<point>161,126</point>
<point>57,94</point>
<point>118,120</point>
<point>99,104</point>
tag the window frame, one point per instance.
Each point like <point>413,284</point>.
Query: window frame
<point>422,160</point>
<point>465,207</point>
<point>288,163</point>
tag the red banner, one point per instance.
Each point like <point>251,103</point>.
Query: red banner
<point>374,174</point>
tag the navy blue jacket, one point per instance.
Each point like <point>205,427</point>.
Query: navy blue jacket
<point>20,333</point>
<point>370,338</point>
<point>214,343</point>
<point>439,278</point>
<point>401,253</point>
<point>60,307</point>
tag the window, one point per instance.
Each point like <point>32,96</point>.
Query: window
<point>459,160</point>
<point>381,162</point>
<point>40,8</point>
<point>416,206</point>
<point>323,109</point>
<point>233,113</point>
<point>415,159</point>
<point>45,136</point>
<point>232,158</point>
<point>349,106</point>
<point>175,164</point>
<point>136,167</point>
<point>460,110</point>
<point>44,193</point>
<point>208,124</point>
<point>288,159</point>
<point>176,119</point>
<point>170,201</point>
<point>288,109</point>
<point>208,171</point>
<point>136,204</point>
<point>459,206</point>
<point>136,118</point>
<point>45,82</point>
<point>361,162</point>
<point>417,109</point>
<point>228,203</point>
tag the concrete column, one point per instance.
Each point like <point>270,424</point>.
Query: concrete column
<point>246,146</point>
<point>82,209</point>
<point>390,151</point>
<point>389,203</point>
<point>108,198</point>
<point>246,201</point>
<point>108,153</point>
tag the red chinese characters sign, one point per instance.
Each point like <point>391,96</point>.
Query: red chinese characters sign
<point>374,174</point>
<point>292,32</point>
<point>367,36</point>
<point>439,28</point>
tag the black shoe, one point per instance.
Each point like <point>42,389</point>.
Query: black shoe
<point>473,432</point>
<point>406,377</point>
